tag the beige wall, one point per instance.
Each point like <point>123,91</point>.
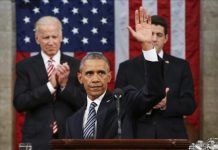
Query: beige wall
<point>7,52</point>
<point>209,69</point>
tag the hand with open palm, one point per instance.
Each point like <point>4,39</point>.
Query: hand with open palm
<point>143,28</point>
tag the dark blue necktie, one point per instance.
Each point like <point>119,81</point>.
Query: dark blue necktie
<point>89,129</point>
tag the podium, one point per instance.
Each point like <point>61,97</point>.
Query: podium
<point>121,144</point>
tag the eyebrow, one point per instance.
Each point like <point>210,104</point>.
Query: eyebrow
<point>98,71</point>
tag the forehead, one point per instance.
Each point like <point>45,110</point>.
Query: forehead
<point>157,28</point>
<point>95,65</point>
<point>49,28</point>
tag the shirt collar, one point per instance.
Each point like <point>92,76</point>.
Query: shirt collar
<point>56,57</point>
<point>149,55</point>
<point>160,54</point>
<point>97,100</point>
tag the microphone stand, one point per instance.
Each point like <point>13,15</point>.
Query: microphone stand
<point>119,130</point>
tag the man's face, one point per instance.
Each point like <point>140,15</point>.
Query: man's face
<point>95,76</point>
<point>49,38</point>
<point>158,37</point>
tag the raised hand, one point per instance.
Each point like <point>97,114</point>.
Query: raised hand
<point>63,72</point>
<point>143,29</point>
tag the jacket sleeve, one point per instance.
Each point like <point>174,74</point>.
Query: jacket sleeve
<point>73,93</point>
<point>151,93</point>
<point>181,101</point>
<point>25,96</point>
<point>121,80</point>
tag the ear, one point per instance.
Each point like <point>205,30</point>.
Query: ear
<point>166,38</point>
<point>109,77</point>
<point>37,39</point>
<point>79,77</point>
<point>61,37</point>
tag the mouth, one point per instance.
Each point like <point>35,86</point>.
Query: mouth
<point>96,87</point>
<point>51,49</point>
<point>155,44</point>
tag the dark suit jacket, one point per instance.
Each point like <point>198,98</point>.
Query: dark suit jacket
<point>33,97</point>
<point>180,99</point>
<point>133,104</point>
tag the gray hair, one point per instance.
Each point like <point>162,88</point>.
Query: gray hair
<point>47,20</point>
<point>93,55</point>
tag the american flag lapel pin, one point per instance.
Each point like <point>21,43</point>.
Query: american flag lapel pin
<point>108,101</point>
<point>167,61</point>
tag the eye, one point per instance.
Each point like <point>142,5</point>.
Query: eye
<point>89,73</point>
<point>159,34</point>
<point>46,37</point>
<point>101,73</point>
<point>54,37</point>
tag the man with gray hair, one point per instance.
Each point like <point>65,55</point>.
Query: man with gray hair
<point>46,87</point>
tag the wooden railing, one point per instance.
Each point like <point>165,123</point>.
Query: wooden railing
<point>127,144</point>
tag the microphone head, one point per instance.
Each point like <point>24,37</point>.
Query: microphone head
<point>118,93</point>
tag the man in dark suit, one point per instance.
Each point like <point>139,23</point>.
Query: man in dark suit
<point>95,75</point>
<point>46,88</point>
<point>165,120</point>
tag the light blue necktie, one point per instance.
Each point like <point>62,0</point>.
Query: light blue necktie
<point>89,129</point>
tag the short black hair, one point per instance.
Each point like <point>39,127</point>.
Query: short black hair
<point>158,20</point>
<point>94,55</point>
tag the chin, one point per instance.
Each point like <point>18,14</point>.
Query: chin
<point>97,94</point>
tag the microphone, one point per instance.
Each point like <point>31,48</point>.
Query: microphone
<point>118,94</point>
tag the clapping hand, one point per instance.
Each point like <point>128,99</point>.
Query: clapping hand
<point>63,71</point>
<point>162,105</point>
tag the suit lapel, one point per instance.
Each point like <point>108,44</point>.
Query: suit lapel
<point>79,124</point>
<point>39,69</point>
<point>166,64</point>
<point>102,112</point>
<point>63,59</point>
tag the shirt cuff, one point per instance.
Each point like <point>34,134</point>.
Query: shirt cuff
<point>150,55</point>
<point>50,87</point>
<point>163,108</point>
<point>149,112</point>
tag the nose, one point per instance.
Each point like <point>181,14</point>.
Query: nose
<point>154,37</point>
<point>95,78</point>
<point>50,41</point>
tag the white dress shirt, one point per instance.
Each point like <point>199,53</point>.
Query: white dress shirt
<point>150,55</point>
<point>56,60</point>
<point>89,101</point>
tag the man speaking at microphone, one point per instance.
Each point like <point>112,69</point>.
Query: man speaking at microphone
<point>98,118</point>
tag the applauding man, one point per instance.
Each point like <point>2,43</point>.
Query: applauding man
<point>46,87</point>
<point>164,120</point>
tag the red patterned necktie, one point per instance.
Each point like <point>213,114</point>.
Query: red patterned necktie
<point>54,128</point>
<point>50,69</point>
